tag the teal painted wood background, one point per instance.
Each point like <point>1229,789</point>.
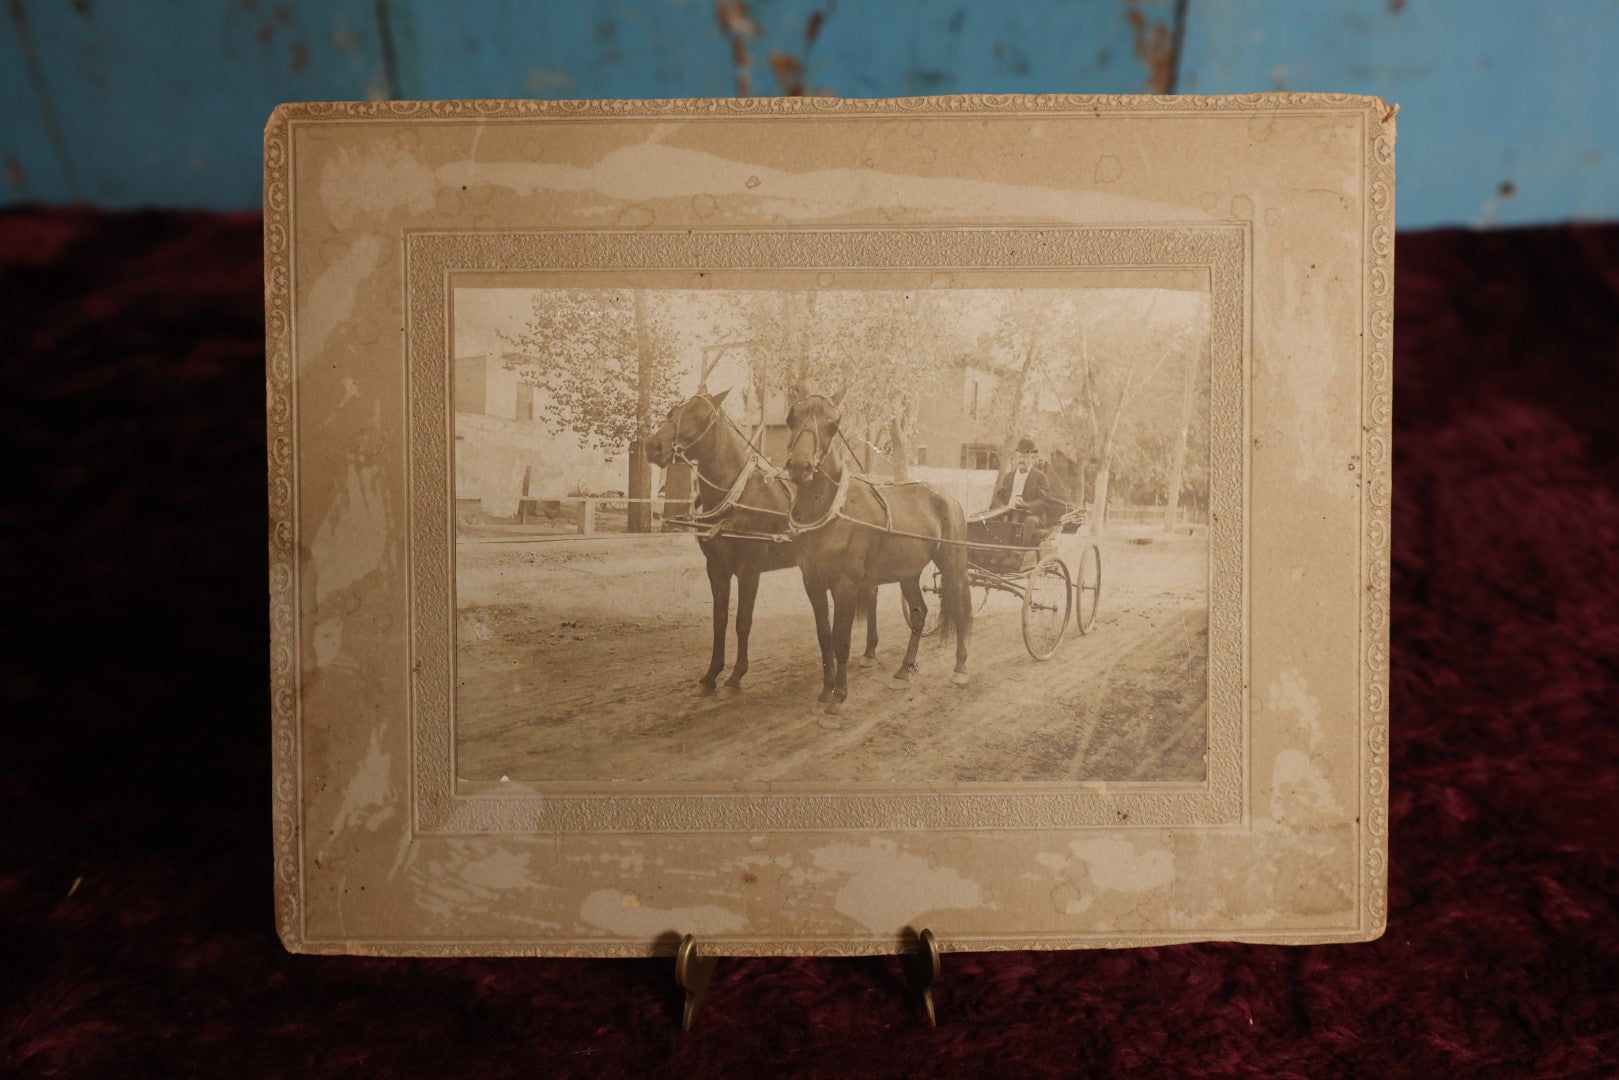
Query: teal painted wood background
<point>1507,108</point>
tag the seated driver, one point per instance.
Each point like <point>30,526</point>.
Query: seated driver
<point>1028,493</point>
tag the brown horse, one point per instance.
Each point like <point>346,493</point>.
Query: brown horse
<point>852,535</point>
<point>741,494</point>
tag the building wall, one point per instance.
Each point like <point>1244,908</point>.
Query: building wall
<point>1506,119</point>
<point>950,421</point>
<point>497,449</point>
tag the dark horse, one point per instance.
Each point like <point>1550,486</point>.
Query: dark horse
<point>745,503</point>
<point>852,535</point>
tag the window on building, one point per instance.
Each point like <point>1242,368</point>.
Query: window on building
<point>528,474</point>
<point>525,401</point>
<point>921,455</point>
<point>978,456</point>
<point>972,403</point>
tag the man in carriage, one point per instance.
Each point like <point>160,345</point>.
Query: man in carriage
<point>1028,494</point>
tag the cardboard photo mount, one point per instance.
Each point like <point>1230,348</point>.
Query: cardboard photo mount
<point>373,211</point>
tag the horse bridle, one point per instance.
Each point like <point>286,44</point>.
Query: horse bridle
<point>754,464</point>
<point>679,448</point>
<point>815,436</point>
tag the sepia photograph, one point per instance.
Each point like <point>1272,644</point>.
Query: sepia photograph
<point>832,534</point>
<point>745,542</point>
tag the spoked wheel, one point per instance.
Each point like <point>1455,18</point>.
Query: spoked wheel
<point>1047,600</point>
<point>1087,588</point>
<point>933,593</point>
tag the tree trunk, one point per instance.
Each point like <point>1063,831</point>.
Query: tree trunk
<point>640,480</point>
<point>902,451</point>
<point>1015,420</point>
<point>1104,473</point>
<point>1099,500</point>
<point>792,360</point>
<point>1172,496</point>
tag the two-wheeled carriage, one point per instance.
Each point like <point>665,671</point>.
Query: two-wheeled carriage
<point>1001,558</point>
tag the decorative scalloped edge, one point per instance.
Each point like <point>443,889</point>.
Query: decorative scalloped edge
<point>286,787</point>
<point>955,104</point>
<point>431,257</point>
<point>1377,423</point>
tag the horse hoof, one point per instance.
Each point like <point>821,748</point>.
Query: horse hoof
<point>703,690</point>
<point>826,696</point>
<point>899,682</point>
<point>959,678</point>
<point>834,708</point>
<point>733,688</point>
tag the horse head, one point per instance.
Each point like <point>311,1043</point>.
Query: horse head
<point>687,430</point>
<point>812,425</point>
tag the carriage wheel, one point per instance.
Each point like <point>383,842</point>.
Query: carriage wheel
<point>1087,588</point>
<point>1047,600</point>
<point>934,594</point>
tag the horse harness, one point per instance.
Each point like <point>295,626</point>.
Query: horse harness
<point>714,518</point>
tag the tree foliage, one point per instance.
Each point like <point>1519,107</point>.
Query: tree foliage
<point>606,373</point>
<point>1097,376</point>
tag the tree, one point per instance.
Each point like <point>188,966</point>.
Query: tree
<point>1117,354</point>
<point>1019,332</point>
<point>608,371</point>
<point>886,348</point>
<point>890,350</point>
<point>1177,470</point>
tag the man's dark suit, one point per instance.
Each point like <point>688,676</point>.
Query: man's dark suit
<point>1042,505</point>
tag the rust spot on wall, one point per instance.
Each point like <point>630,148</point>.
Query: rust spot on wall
<point>789,73</point>
<point>300,56</point>
<point>1396,6</point>
<point>735,20</point>
<point>1155,48</point>
<point>739,57</point>
<point>1507,189</point>
<point>15,174</point>
<point>738,25</point>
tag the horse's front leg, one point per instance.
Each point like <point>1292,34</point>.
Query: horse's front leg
<point>844,606</point>
<point>719,583</point>
<point>823,633</point>
<point>747,590</point>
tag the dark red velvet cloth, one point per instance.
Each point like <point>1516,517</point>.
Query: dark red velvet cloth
<point>135,895</point>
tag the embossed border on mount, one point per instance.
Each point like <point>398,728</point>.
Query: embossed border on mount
<point>1376,426</point>
<point>433,257</point>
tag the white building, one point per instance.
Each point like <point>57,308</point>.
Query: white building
<point>505,451</point>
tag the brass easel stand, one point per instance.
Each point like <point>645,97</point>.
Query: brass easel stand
<point>922,971</point>
<point>694,972</point>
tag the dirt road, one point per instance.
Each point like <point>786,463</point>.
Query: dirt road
<point>579,662</point>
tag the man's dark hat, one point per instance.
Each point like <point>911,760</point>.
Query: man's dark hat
<point>1025,445</point>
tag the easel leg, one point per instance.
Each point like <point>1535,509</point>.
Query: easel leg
<point>693,973</point>
<point>922,971</point>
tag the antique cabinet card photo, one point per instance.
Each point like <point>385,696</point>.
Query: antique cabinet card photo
<point>800,523</point>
